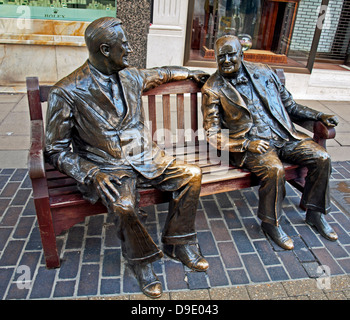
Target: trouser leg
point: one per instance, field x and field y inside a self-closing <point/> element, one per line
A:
<point x="269" y="169"/>
<point x="184" y="183"/>
<point x="137" y="244"/>
<point x="318" y="162"/>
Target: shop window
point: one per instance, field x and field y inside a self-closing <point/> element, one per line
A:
<point x="71" y="10"/>
<point x="265" y="27"/>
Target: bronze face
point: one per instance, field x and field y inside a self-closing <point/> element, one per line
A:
<point x="228" y="55"/>
<point x="118" y="50"/>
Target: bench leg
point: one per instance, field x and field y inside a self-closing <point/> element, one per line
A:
<point x="47" y="233"/>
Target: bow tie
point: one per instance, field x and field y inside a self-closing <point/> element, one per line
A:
<point x="239" y="80"/>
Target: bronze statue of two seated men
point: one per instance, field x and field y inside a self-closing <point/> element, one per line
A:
<point x="95" y="123"/>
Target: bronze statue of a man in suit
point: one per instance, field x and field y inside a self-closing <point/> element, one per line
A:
<point x="250" y="102"/>
<point x="97" y="110"/>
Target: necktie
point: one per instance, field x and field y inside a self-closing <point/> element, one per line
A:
<point x="116" y="97"/>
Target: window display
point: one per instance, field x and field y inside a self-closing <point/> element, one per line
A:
<point x="75" y="10"/>
<point x="266" y="26"/>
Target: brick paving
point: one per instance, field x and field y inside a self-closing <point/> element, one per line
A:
<point x="243" y="263"/>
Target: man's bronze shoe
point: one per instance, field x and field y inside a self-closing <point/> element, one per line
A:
<point x="316" y="219"/>
<point x="147" y="279"/>
<point x="188" y="254"/>
<point x="278" y="236"/>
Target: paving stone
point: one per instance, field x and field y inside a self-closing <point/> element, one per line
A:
<point x="70" y="265"/>
<point x="23" y="228"/>
<point x="301" y="287"/>
<point x="224" y="200"/>
<point x="277" y="273"/>
<point x="345" y="264"/>
<point x="110" y="286"/>
<point x="64" y="289"/>
<point x="201" y="221"/>
<point x="75" y="237"/>
<point x="17" y="292"/>
<point x="238" y="276"/>
<point x="175" y="275"/>
<point x="95" y="225"/>
<point x="216" y="272"/>
<point x="256" y="271"/>
<point x="92" y="250"/>
<point x="207" y="243"/>
<point x="339" y="283"/>
<point x="43" y="283"/>
<point x="303" y="253"/>
<point x="267" y="255"/>
<point x="21" y="197"/>
<point x="309" y="236"/>
<point x="291" y="263"/>
<point x="243" y="208"/>
<point x="229" y="255"/>
<point x="4" y="236"/>
<point x="232" y="293"/>
<point x="264" y="292"/>
<point x="5" y="277"/>
<point x="111" y="238"/>
<point x="232" y="219"/>
<point x="219" y="230"/>
<point x="211" y="208"/>
<point x="190" y="295"/>
<point x="88" y="281"/>
<point x="3" y="205"/>
<point x="11" y="216"/>
<point x="111" y="265"/>
<point x="242" y="241"/>
<point x="10" y="189"/>
<point x="19" y="174"/>
<point x="336" y="296"/>
<point x="326" y="259"/>
<point x="11" y="253"/>
<point x="197" y="280"/>
<point x="253" y="228"/>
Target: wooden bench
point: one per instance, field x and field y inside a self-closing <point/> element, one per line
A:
<point x="58" y="203"/>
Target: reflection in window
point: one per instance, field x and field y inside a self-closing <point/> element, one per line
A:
<point x="268" y="22"/>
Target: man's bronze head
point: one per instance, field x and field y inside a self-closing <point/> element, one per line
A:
<point x="229" y="55"/>
<point x="107" y="44"/>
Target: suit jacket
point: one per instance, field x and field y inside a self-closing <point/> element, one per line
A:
<point x="227" y="119"/>
<point x="81" y="115"/>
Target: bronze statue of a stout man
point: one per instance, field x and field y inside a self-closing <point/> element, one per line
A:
<point x="97" y="110"/>
<point x="250" y="102"/>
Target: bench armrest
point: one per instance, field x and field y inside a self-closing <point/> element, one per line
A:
<point x="320" y="130"/>
<point x="36" y="152"/>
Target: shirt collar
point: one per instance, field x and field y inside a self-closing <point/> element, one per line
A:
<point x="101" y="77"/>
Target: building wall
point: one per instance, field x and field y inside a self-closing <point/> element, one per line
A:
<point x="167" y="34"/>
<point x="307" y="20"/>
<point x="136" y="17"/>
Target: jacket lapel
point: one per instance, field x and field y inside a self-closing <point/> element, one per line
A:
<point x="231" y="93"/>
<point x="268" y="92"/>
<point x="92" y="94"/>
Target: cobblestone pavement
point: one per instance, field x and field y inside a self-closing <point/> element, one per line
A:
<point x="244" y="265"/>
